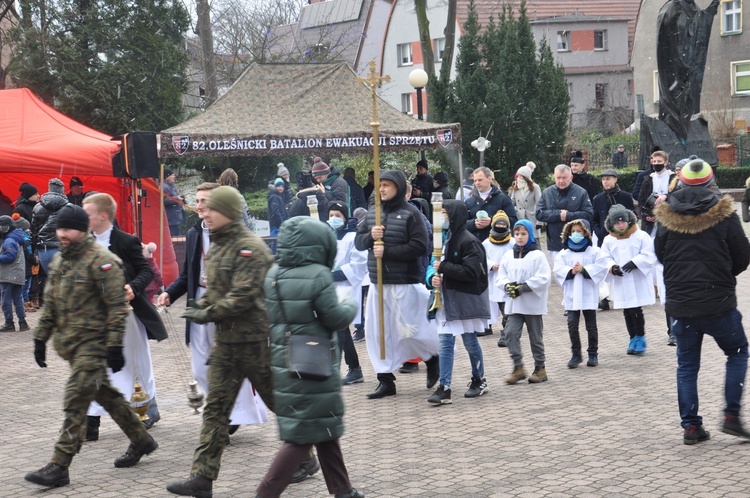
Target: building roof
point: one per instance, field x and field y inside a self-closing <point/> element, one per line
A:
<point x="577" y="19"/>
<point x="544" y="9"/>
<point x="330" y="12"/>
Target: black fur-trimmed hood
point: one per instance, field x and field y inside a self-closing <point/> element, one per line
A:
<point x="707" y="211"/>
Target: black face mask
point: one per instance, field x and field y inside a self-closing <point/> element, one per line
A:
<point x="658" y="167"/>
<point x="500" y="232"/>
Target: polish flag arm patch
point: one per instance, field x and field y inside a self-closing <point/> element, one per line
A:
<point x="246" y="253"/>
<point x="106" y="267"/>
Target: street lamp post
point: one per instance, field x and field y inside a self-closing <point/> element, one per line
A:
<point x="418" y="79"/>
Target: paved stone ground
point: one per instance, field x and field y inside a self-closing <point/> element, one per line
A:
<point x="612" y="430"/>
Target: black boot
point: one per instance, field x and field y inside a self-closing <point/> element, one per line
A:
<point x="51" y="475"/>
<point x="306" y="469"/>
<point x="135" y="452"/>
<point x="23" y="326"/>
<point x="352" y="493"/>
<point x="8" y="327"/>
<point x="92" y="428"/>
<point x="195" y="485"/>
<point x="384" y="389"/>
<point x="433" y="371"/>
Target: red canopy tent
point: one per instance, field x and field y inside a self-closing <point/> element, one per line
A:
<point x="38" y="143"/>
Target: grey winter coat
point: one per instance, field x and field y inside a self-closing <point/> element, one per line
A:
<point x="12" y="260"/>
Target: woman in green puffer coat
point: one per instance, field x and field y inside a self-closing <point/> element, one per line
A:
<point x="309" y="412"/>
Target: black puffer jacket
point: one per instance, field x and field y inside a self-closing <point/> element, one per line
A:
<point x="405" y="237"/>
<point x="25" y="208"/>
<point x="464" y="266"/>
<point x="703" y="248"/>
<point x="44" y="220"/>
<point x="494" y="202"/>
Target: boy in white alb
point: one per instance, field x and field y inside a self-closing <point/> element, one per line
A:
<point x="496" y="245"/>
<point x="524" y="275"/>
<point x="579" y="269"/>
<point x="630" y="257"/>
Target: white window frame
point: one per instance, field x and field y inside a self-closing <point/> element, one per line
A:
<point x="656" y="86"/>
<point x="406" y="104"/>
<point x="735" y="74"/>
<point x="605" y="45"/>
<point x="438" y="48"/>
<point x="405" y="55"/>
<point x="563" y="41"/>
<point x="731" y="9"/>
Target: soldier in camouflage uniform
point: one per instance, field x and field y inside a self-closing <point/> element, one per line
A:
<point x="236" y="265"/>
<point x="85" y="313"/>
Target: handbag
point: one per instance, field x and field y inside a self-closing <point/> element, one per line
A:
<point x="309" y="357"/>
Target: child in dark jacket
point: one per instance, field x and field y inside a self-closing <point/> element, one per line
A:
<point x="461" y="277"/>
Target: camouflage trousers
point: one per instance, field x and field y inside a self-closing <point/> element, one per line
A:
<point x="229" y="365"/>
<point x="89" y="382"/>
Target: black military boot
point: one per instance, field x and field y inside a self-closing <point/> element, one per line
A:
<point x="23" y="326"/>
<point x="195" y="485"/>
<point x="92" y="428"/>
<point x="51" y="475"/>
<point x="135" y="452"/>
<point x="8" y="327"/>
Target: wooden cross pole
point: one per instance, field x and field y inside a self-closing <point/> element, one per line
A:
<point x="373" y="81"/>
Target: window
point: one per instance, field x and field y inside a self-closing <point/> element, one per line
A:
<point x="404" y="54"/>
<point x="570" y="90"/>
<point x="741" y="78"/>
<point x="600" y="39"/>
<point x="406" y="103"/>
<point x="731" y="17"/>
<point x="563" y="41"/>
<point x="439" y="48"/>
<point x="601" y="95"/>
<point x="656" y="86"/>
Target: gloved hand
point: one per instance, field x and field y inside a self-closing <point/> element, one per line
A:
<point x="628" y="267"/>
<point x="115" y="359"/>
<point x="521" y="288"/>
<point x="40" y="353"/>
<point x="511" y="289"/>
<point x="196" y="315"/>
<point x="616" y="271"/>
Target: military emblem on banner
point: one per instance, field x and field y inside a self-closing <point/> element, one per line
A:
<point x="445" y="136"/>
<point x="181" y="143"/>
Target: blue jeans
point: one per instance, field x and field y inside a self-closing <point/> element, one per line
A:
<point x="447" y="345"/>
<point x="45" y="257"/>
<point x="12" y="296"/>
<point x="729" y="335"/>
<point x="26" y="288"/>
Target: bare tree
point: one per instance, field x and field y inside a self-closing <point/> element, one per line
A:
<point x="206" y="36"/>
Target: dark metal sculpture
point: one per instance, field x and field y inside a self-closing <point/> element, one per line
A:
<point x="683" y="33"/>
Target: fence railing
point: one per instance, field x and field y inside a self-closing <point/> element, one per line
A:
<point x="732" y="151"/>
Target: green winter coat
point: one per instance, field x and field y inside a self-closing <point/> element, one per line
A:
<point x="308" y="411"/>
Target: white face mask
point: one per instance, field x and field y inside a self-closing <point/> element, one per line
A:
<point x="521" y="183"/>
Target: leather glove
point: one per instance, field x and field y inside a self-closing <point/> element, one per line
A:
<point x="115" y="359"/>
<point x="628" y="267"/>
<point x="196" y="315"/>
<point x="40" y="353"/>
<point x="616" y="271"/>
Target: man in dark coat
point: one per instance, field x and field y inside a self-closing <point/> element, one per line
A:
<point x="488" y="199"/>
<point x="560" y="203"/>
<point x="422" y="184"/>
<point x="584" y="179"/>
<point x="701" y="243"/>
<point x="357" y="197"/>
<point x="144" y="324"/>
<point x="620" y="157"/>
<point x="26" y="201"/>
<point x="76" y="194"/>
<point x="602" y="202"/>
<point x="441" y="185"/>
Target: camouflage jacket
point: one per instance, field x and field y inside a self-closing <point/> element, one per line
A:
<point x="236" y="265"/>
<point x="84" y="301"/>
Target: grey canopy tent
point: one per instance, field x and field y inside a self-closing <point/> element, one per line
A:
<point x="305" y="109"/>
